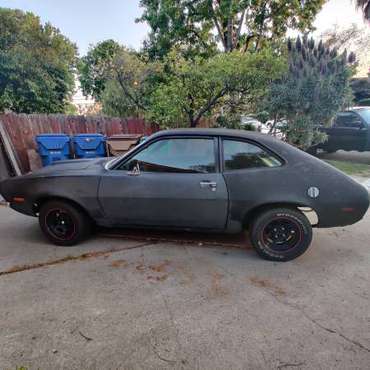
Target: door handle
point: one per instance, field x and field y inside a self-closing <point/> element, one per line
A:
<point x="209" y="184"/>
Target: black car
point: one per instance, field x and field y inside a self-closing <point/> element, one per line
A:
<point x="194" y="179"/>
<point x="350" y="131"/>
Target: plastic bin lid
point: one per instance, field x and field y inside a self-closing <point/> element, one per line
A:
<point x="88" y="141"/>
<point x="53" y="141"/>
<point x="52" y="134"/>
<point x="89" y="135"/>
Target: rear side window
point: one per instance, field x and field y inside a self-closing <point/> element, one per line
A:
<point x="241" y="155"/>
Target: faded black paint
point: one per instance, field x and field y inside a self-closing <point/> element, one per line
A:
<point x="112" y="197"/>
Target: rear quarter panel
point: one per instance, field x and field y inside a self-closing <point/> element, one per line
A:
<point x="289" y="184"/>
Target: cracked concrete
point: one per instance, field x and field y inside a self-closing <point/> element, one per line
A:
<point x="135" y="304"/>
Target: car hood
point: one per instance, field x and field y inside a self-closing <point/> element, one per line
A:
<point x="70" y="165"/>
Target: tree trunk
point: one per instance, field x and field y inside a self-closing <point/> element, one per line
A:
<point x="194" y="122"/>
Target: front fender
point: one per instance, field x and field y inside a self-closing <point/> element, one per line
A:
<point x="79" y="189"/>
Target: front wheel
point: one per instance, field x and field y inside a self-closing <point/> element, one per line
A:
<point x="63" y="223"/>
<point x="281" y="234"/>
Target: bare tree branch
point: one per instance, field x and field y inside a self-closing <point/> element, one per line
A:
<point x="127" y="92"/>
<point x="218" y="27"/>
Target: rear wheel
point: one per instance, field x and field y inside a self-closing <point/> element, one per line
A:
<point x="281" y="234"/>
<point x="64" y="224"/>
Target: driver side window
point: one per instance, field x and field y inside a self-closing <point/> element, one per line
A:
<point x="189" y="155"/>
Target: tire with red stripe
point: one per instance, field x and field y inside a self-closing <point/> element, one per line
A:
<point x="63" y="223"/>
<point x="281" y="234"/>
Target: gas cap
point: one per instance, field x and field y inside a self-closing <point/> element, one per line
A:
<point x="313" y="192"/>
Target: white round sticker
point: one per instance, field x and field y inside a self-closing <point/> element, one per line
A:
<point x="313" y="192"/>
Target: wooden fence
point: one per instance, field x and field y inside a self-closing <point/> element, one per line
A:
<point x="22" y="129"/>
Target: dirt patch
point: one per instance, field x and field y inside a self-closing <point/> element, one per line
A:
<point x="157" y="278"/>
<point x="264" y="283"/>
<point x="140" y="267"/>
<point x="217" y="290"/>
<point x="82" y="257"/>
<point x="119" y="263"/>
<point x="156" y="272"/>
<point x="161" y="267"/>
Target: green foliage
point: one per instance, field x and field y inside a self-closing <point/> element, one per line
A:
<point x="132" y="81"/>
<point x="198" y="27"/>
<point x="95" y="68"/>
<point x="199" y="88"/>
<point x="351" y="168"/>
<point x="315" y="88"/>
<point x="180" y="92"/>
<point x="36" y="65"/>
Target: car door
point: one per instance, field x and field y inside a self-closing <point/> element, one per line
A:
<point x="348" y="132"/>
<point x="172" y="182"/>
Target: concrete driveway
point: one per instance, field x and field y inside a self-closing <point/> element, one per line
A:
<point x="119" y="303"/>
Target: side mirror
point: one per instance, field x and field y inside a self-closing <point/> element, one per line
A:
<point x="135" y="171"/>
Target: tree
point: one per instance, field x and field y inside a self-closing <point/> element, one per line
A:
<point x="315" y="88"/>
<point x="131" y="83"/>
<point x="200" y="26"/>
<point x="36" y="65"/>
<point x="364" y="5"/>
<point x="199" y="88"/>
<point x="181" y="92"/>
<point x="353" y="37"/>
<point x="95" y="68"/>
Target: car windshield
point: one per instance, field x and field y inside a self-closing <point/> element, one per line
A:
<point x="110" y="164"/>
<point x="365" y="114"/>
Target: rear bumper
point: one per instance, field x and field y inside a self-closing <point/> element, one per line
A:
<point x="344" y="213"/>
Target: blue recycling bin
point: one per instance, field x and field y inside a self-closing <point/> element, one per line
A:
<point x="53" y="147"/>
<point x="89" y="145"/>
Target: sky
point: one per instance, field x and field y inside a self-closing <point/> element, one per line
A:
<point x="87" y="22"/>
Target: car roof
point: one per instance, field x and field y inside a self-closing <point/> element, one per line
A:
<point x="354" y="109"/>
<point x="213" y="132"/>
<point x="365" y="107"/>
<point x="264" y="139"/>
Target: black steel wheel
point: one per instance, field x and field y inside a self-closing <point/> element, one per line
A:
<point x="281" y="234"/>
<point x="63" y="223"/>
<point x="60" y="224"/>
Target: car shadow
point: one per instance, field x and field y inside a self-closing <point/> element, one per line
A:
<point x="240" y="240"/>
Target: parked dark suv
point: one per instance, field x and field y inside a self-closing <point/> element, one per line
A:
<point x="350" y="131"/>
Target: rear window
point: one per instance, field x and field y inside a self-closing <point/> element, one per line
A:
<point x="242" y="155"/>
<point x="365" y="114"/>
